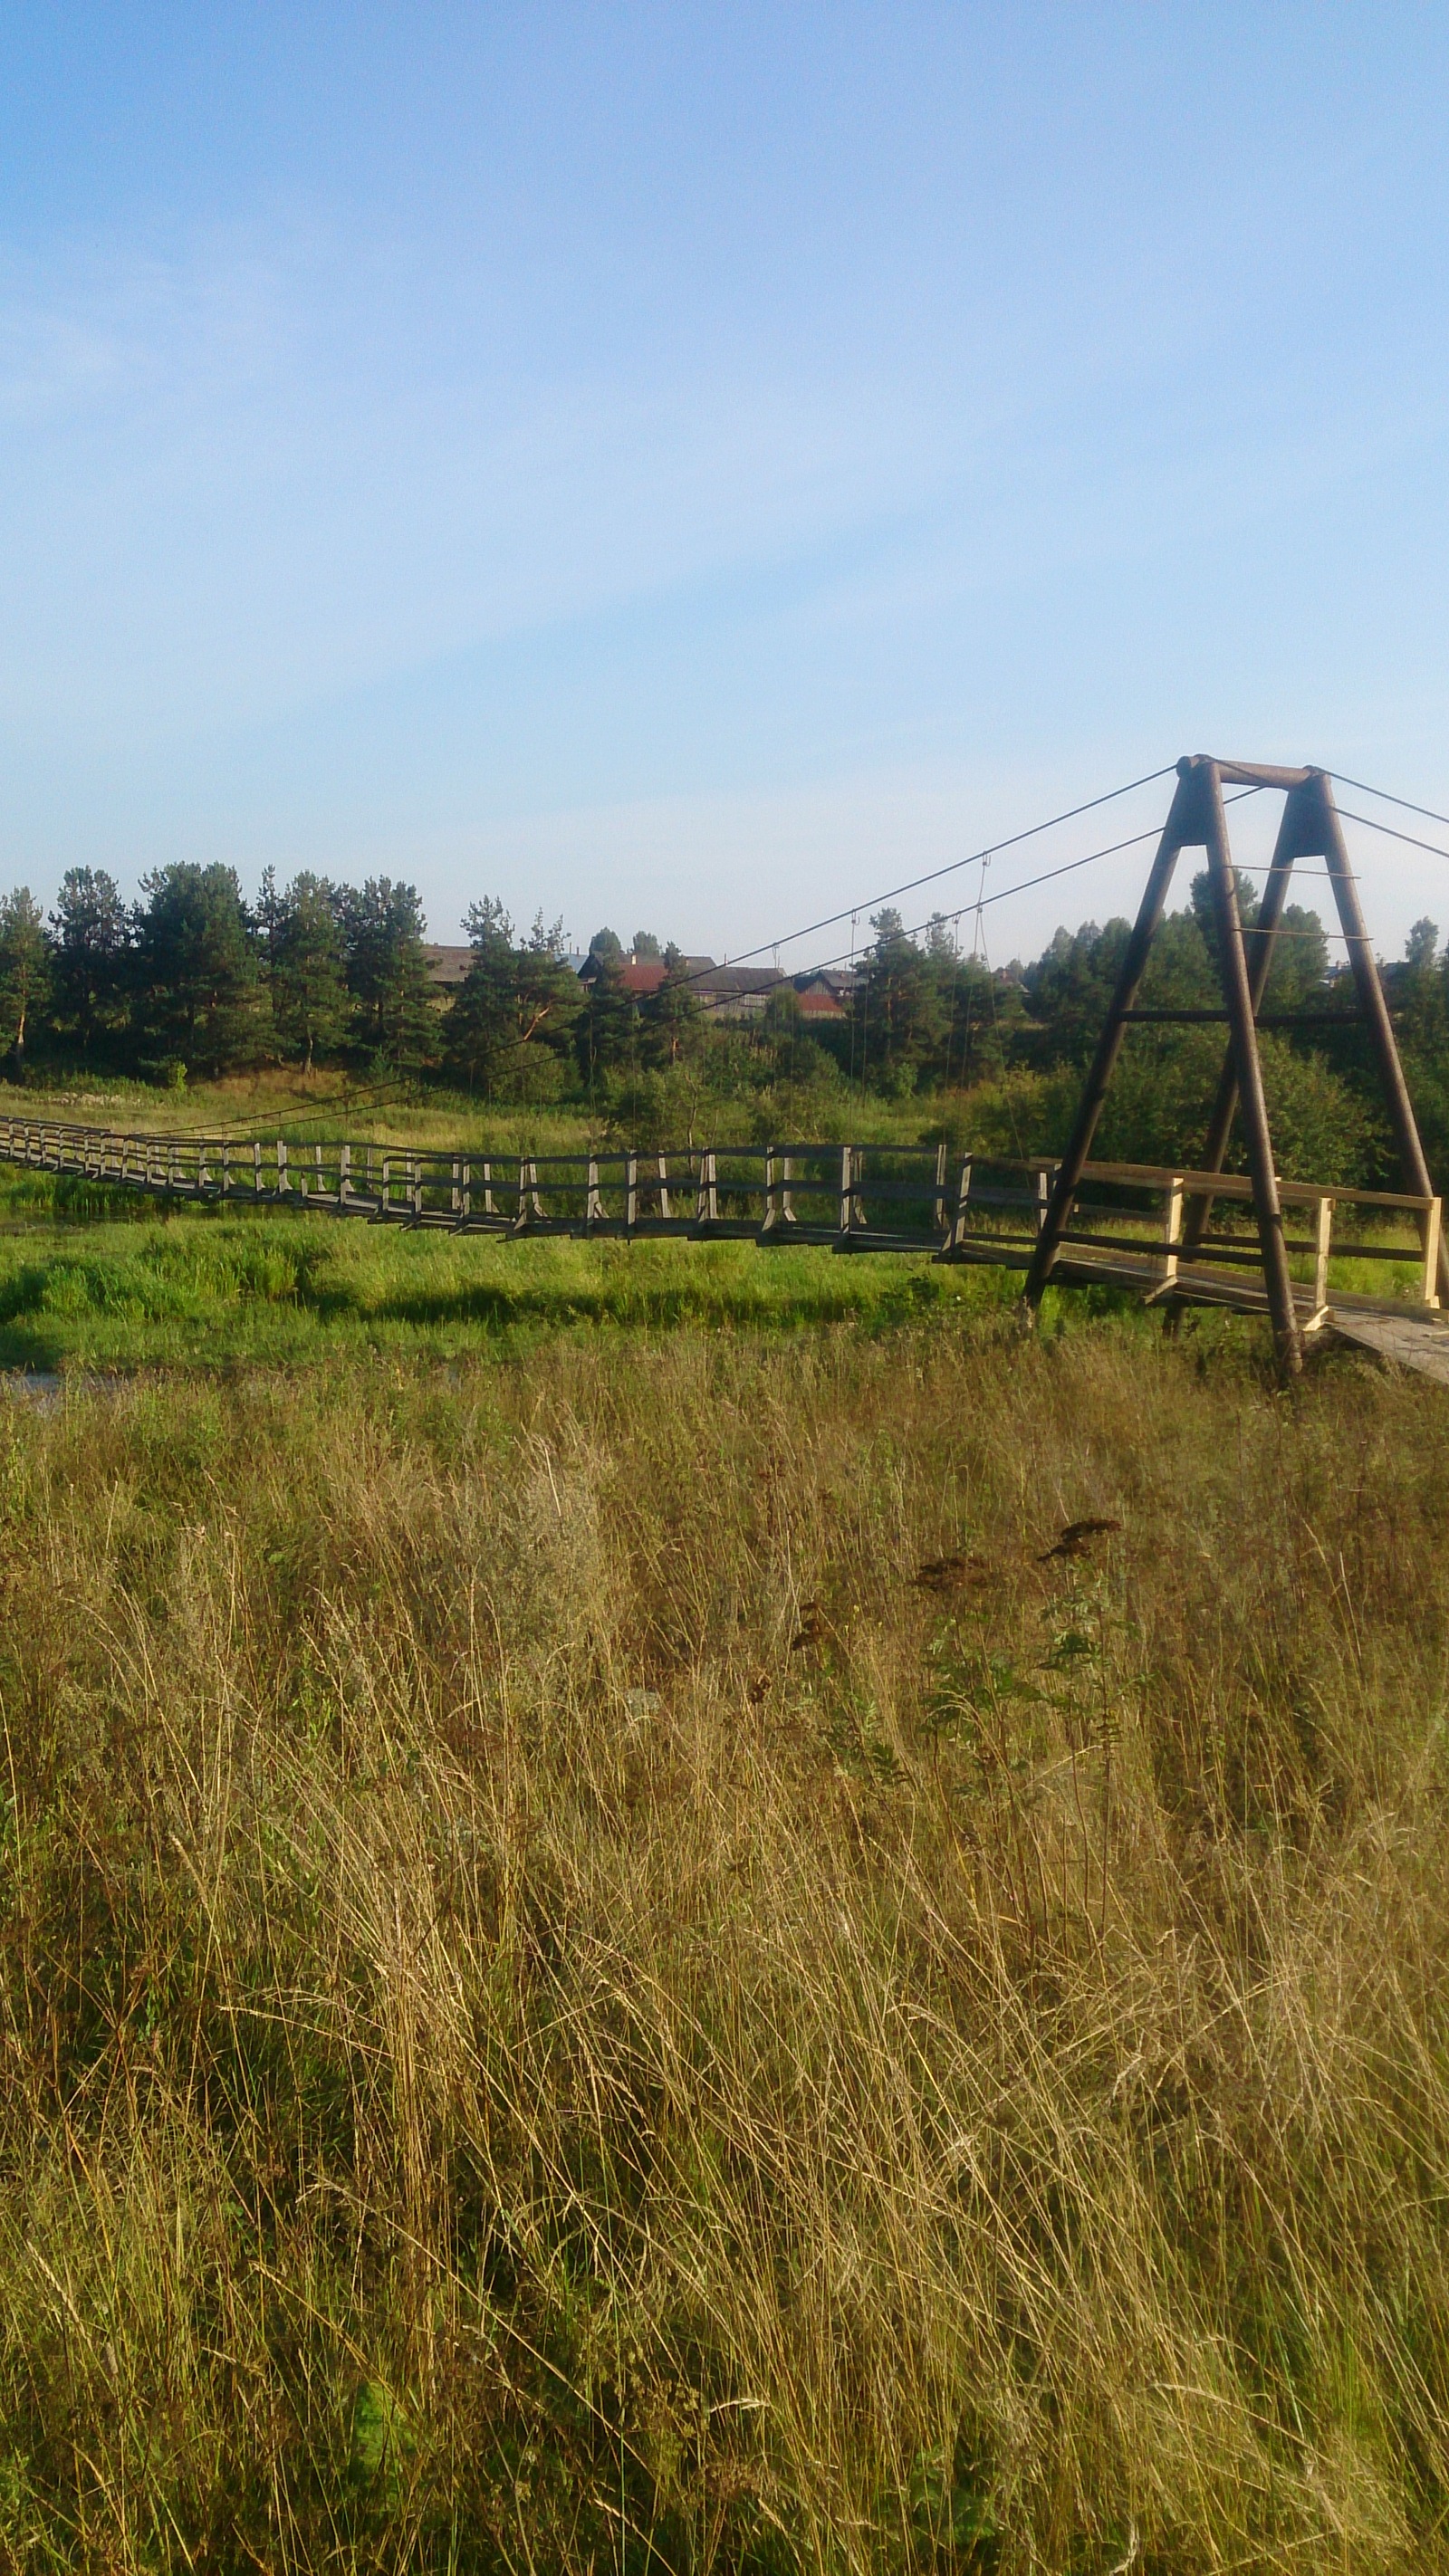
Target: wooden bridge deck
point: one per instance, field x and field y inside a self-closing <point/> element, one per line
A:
<point x="971" y="1208"/>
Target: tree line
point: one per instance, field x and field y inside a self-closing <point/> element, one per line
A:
<point x="193" y="981"/>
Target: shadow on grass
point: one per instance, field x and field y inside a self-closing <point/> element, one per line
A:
<point x="499" y="1306"/>
<point x="30" y="1346"/>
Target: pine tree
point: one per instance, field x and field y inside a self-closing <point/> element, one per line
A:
<point x="309" y="985"/>
<point x="91" y="956"/>
<point x="196" y="969"/>
<point x="607" y="1027"/>
<point x="514" y="1015"/>
<point x="671" y="1016"/>
<point x="898" y="1004"/>
<point x="483" y="1022"/>
<point x="387" y="973"/>
<point x="25" y="979"/>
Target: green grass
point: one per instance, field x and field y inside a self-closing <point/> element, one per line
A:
<point x="102" y="1280"/>
<point x="138" y="1287"/>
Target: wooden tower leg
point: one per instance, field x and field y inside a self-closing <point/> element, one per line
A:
<point x="1374" y="1008"/>
<point x="1183" y="825"/>
<point x="1295" y="838"/>
<point x="1237" y="993"/>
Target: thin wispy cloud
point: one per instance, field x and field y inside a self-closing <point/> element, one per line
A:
<point x="407" y="446"/>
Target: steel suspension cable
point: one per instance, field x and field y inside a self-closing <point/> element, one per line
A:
<point x="1362" y="788"/>
<point x="932" y="876"/>
<point x="1024" y="885"/>
<point x="1411" y="838"/>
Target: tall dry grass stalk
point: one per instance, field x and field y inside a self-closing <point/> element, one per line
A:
<point x="562" y="2010"/>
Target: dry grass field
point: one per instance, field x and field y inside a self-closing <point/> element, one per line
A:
<point x="618" y="1958"/>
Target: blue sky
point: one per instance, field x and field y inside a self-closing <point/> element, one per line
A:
<point x="692" y="467"/>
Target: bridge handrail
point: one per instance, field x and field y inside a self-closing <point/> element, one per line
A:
<point x="982" y="1206"/>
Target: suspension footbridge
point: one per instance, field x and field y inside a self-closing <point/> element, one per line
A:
<point x="1303" y="1253"/>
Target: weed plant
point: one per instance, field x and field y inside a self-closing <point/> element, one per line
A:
<point x="622" y="1960"/>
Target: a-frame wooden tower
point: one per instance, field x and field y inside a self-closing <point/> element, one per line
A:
<point x="1310" y="828"/>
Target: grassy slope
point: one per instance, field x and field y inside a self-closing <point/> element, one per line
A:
<point x="561" y="2012"/>
<point x="329" y="1104"/>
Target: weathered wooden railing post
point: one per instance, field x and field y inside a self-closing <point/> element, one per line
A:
<point x="529" y="1202"/>
<point x="593" y="1198"/>
<point x="283" y="1183"/>
<point x="963" y="1200"/>
<point x="663" y="1185"/>
<point x="941" y="1187"/>
<point x="344" y="1175"/>
<point x="631" y="1192"/>
<point x="706" y="1203"/>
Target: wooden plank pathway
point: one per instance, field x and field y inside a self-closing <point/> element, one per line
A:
<point x="1419" y="1342"/>
<point x="1172" y="1238"/>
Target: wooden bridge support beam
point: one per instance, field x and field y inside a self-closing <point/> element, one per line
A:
<point x="1370" y="991"/>
<point x="1182" y="825"/>
<point x="1196" y="818"/>
<point x="1296" y="839"/>
<point x="1237" y="993"/>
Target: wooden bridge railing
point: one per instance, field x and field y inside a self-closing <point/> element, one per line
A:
<point x="1181" y="1234"/>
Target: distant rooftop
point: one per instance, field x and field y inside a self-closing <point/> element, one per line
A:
<point x="731" y="992"/>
